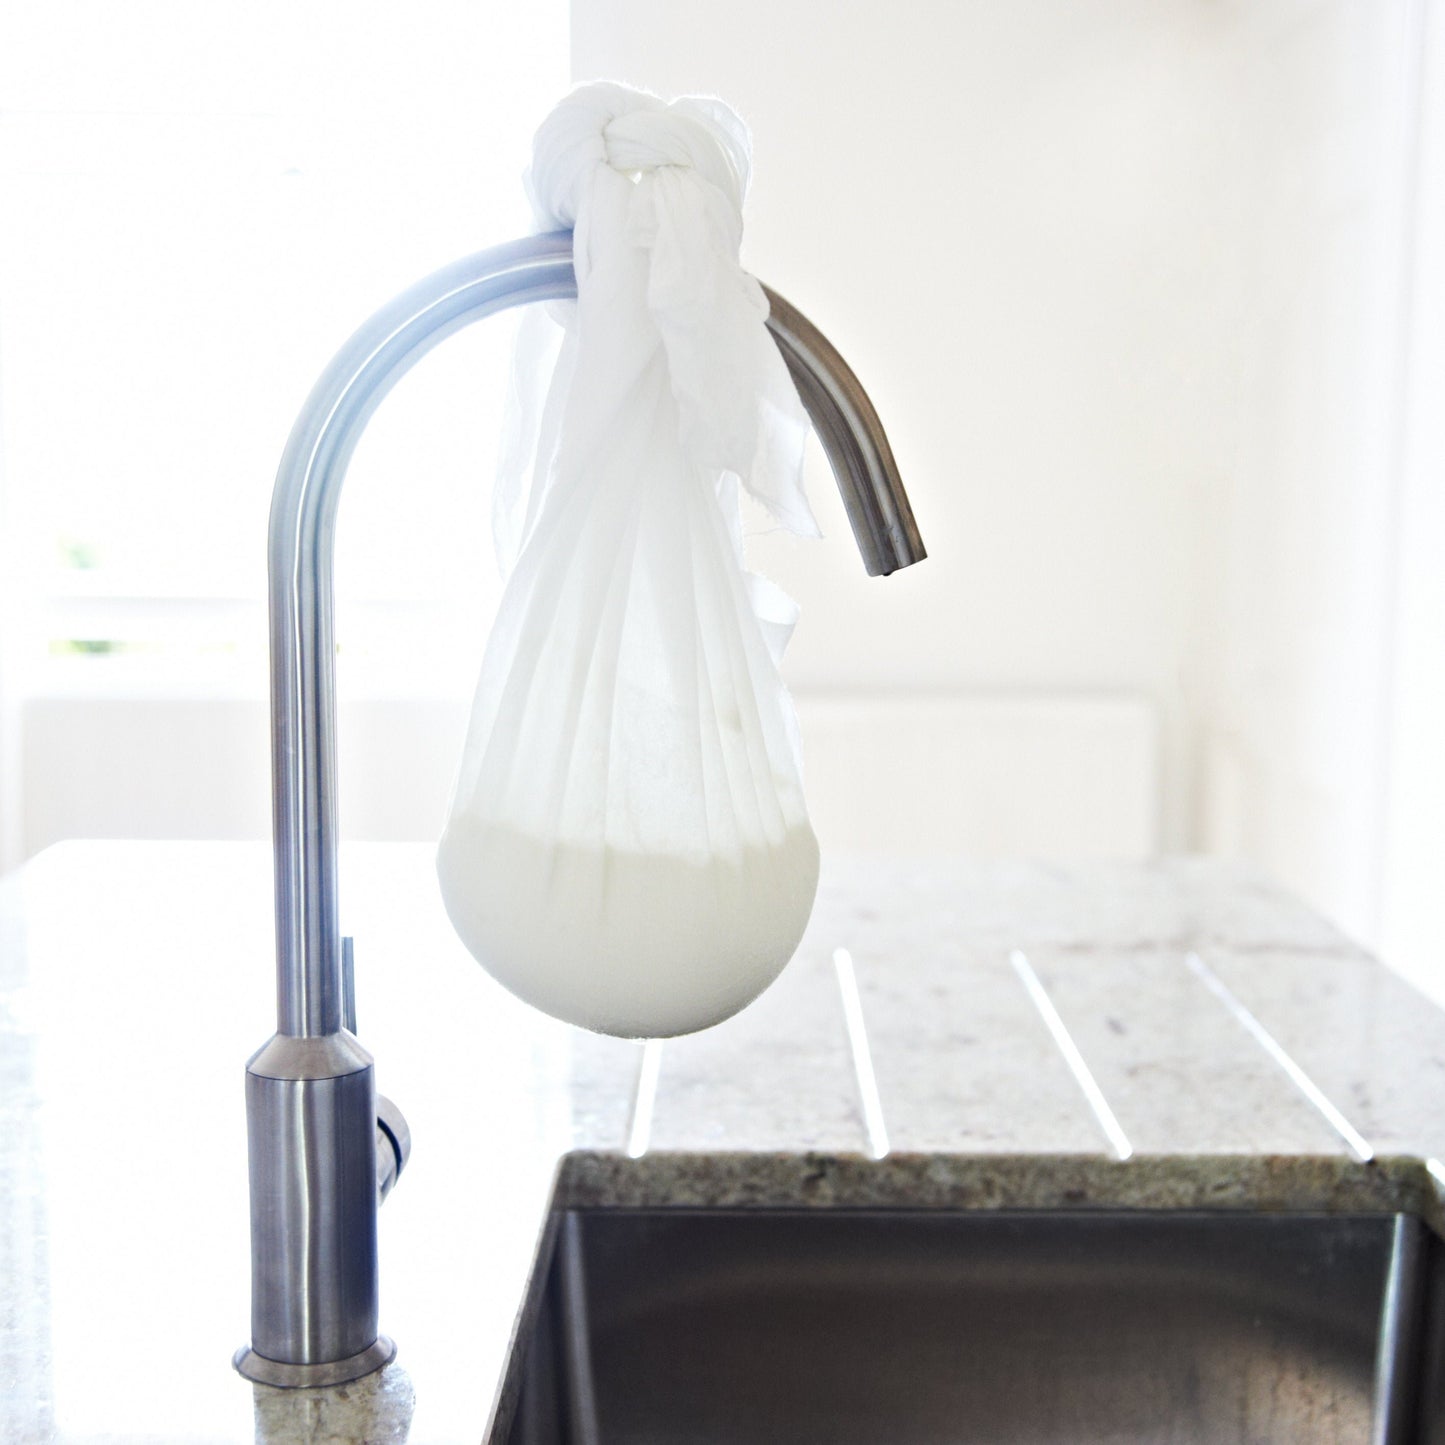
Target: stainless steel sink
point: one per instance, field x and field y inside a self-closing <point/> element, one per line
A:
<point x="724" y="1327"/>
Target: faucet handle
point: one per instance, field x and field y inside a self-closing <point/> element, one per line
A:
<point x="348" y="985"/>
<point x="393" y="1137"/>
<point x="393" y="1145"/>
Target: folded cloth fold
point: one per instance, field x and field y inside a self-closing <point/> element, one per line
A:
<point x="666" y="181"/>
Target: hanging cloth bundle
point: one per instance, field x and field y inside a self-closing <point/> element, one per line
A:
<point x="628" y="847"/>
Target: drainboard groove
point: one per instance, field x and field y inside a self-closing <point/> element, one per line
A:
<point x="864" y="1075"/>
<point x="1358" y="1144"/>
<point x="644" y="1100"/>
<point x="1108" y="1121"/>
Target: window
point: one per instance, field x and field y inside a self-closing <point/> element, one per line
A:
<point x="203" y="203"/>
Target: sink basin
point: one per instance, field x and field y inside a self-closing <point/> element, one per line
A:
<point x="746" y="1327"/>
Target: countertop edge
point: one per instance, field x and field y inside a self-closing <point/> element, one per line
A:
<point x="1308" y="1183"/>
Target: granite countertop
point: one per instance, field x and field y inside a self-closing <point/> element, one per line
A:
<point x="1176" y="1035"/>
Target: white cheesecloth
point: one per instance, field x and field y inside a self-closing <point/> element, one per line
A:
<point x="628" y="846"/>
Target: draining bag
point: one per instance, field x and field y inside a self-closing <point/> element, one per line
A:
<point x="628" y="847"/>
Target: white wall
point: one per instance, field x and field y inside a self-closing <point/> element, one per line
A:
<point x="1413" y="922"/>
<point x="1020" y="224"/>
<point x="1303" y="700"/>
<point x="1119" y="276"/>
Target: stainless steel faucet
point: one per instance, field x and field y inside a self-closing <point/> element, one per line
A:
<point x="324" y="1149"/>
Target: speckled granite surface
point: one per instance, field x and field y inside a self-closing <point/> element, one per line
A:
<point x="136" y="978"/>
<point x="1275" y="1183"/>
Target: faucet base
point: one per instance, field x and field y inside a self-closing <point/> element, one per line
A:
<point x="311" y="1131"/>
<point x="331" y="1372"/>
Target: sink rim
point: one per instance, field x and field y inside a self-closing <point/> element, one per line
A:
<point x="1018" y="1185"/>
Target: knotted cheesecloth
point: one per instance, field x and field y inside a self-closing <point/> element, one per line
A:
<point x="628" y="846"/>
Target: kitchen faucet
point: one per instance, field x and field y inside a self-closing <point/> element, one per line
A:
<point x="324" y="1148"/>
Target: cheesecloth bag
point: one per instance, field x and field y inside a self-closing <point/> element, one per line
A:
<point x="628" y="847"/>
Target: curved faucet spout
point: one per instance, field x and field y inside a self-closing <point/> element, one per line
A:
<point x="303" y="515"/>
<point x="853" y="438"/>
<point x="311" y="1101"/>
